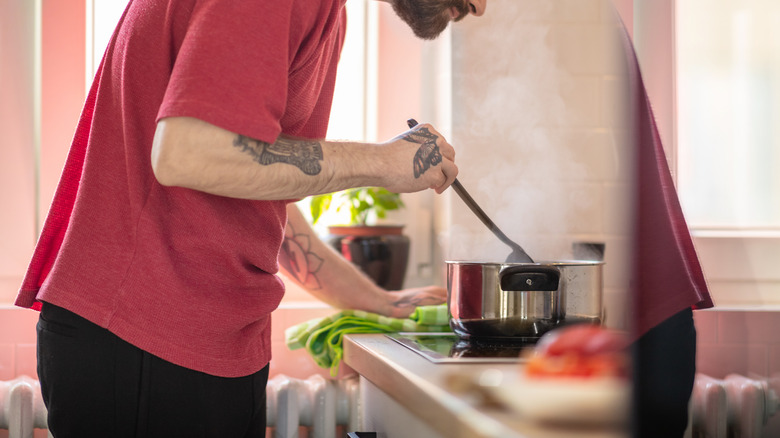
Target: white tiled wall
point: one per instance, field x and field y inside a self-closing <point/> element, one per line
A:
<point x="538" y="119"/>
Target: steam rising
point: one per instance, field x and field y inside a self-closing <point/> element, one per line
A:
<point x="533" y="127"/>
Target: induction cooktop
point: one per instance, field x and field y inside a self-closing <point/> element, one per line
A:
<point x="449" y="348"/>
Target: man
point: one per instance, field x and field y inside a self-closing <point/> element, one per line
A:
<point x="156" y="270"/>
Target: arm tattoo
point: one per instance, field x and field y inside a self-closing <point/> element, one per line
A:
<point x="298" y="260"/>
<point x="428" y="154"/>
<point x="416" y="301"/>
<point x="305" y="155"/>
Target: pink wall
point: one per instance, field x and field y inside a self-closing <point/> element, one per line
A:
<point x="17" y="343"/>
<point x="63" y="88"/>
<point x="398" y="74"/>
<point x="17" y="127"/>
<point x="62" y="95"/>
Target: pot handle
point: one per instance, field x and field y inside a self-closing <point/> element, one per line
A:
<point x="529" y="278"/>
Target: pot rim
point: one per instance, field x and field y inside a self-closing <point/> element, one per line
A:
<point x="538" y="263"/>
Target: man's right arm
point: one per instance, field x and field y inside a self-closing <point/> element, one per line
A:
<point x="191" y="153"/>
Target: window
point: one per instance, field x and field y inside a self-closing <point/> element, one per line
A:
<point x="102" y="18"/>
<point x="711" y="70"/>
<point x="723" y="65"/>
<point x="728" y="88"/>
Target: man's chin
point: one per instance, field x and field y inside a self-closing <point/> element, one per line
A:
<point x="428" y="31"/>
<point x="425" y="26"/>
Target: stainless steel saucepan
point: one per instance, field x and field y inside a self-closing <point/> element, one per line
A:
<point x="522" y="301"/>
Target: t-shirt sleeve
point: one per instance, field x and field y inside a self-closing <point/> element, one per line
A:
<point x="231" y="68"/>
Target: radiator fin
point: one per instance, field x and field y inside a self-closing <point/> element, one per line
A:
<point x="318" y="404"/>
<point x="733" y="407"/>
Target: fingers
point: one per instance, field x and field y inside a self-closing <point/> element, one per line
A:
<point x="435" y="155"/>
<point x="449" y="178"/>
<point x="403" y="302"/>
<point x="446" y="149"/>
<point x="437" y="293"/>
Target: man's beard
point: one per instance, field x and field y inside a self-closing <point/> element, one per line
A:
<point x="429" y="18"/>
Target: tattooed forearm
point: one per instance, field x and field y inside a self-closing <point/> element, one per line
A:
<point x="416" y="301"/>
<point x="305" y="155"/>
<point x="298" y="260"/>
<point x="428" y="154"/>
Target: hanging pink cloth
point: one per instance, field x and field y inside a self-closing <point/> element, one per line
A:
<point x="667" y="275"/>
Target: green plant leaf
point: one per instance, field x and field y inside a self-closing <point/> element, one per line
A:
<point x="319" y="205"/>
<point x="361" y="202"/>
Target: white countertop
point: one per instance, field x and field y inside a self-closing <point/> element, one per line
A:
<point x="426" y="387"/>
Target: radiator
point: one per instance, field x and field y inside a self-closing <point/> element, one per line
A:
<point x="21" y="407"/>
<point x="734" y="407"/>
<point x="316" y="405"/>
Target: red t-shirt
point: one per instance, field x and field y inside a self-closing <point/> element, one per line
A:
<point x="185" y="275"/>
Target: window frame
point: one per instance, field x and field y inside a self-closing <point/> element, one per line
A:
<point x="739" y="264"/>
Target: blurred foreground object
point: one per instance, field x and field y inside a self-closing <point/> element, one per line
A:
<point x="581" y="350"/>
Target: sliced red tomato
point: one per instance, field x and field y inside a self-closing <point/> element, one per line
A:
<point x="582" y="339"/>
<point x="580" y="351"/>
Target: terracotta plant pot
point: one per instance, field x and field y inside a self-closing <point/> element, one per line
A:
<point x="382" y="252"/>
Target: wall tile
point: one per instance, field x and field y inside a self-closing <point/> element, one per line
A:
<point x="744" y="293"/>
<point x="581" y="49"/>
<point x="9" y="285"/>
<point x="560" y="11"/>
<point x="582" y="96"/>
<point x="618" y="262"/>
<point x="623" y="155"/>
<point x="585" y="156"/>
<point x="584" y="204"/>
<point x="614" y="98"/>
<point x="17" y="325"/>
<point x="718" y="360"/>
<point x="616" y="304"/>
<point x="774" y="364"/>
<point x="618" y="212"/>
<point x="7" y="361"/>
<point x="706" y="326"/>
<point x="291" y="314"/>
<point x="295" y="293"/>
<point x="741" y="258"/>
<point x="26" y="360"/>
<point x="749" y="327"/>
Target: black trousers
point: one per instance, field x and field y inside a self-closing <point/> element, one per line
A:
<point x="664" y="371"/>
<point x="97" y="385"/>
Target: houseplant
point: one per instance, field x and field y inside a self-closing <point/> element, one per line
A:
<point x="381" y="251"/>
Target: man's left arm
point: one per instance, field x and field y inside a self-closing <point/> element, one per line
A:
<point x="305" y="259"/>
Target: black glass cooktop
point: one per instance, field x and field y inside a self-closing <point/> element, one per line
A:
<point x="449" y="348"/>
